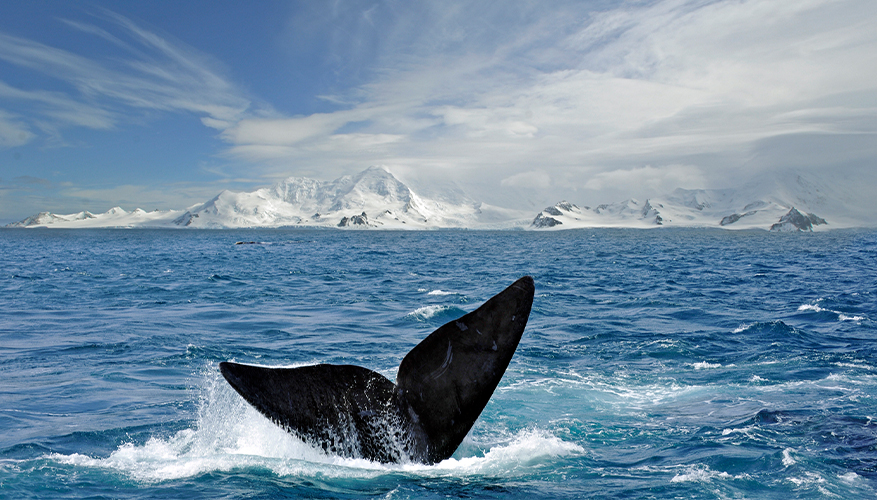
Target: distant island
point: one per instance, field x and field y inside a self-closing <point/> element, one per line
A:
<point x="375" y="199"/>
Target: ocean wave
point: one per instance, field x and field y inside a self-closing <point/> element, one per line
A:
<point x="809" y="479"/>
<point x="705" y="365"/>
<point x="840" y="315"/>
<point x="742" y="328"/>
<point x="776" y="328"/>
<point x="857" y="365"/>
<point x="527" y="448"/>
<point x="748" y="431"/>
<point x="849" y="477"/>
<point x="701" y="473"/>
<point x="427" y="312"/>
<point x="435" y="311"/>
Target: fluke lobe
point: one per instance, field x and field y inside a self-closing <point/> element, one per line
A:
<point x="442" y="386"/>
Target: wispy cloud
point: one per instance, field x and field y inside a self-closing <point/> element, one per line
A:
<point x="40" y="194"/>
<point x="13" y="132"/>
<point x="151" y="73"/>
<point x="59" y="108"/>
<point x="147" y="197"/>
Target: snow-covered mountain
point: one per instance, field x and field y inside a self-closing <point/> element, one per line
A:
<point x="781" y="203"/>
<point x="114" y="217"/>
<point x="373" y="198"/>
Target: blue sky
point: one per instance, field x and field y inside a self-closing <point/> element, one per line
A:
<point x="163" y="104"/>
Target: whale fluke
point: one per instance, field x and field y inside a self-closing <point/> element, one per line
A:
<point x="441" y="388"/>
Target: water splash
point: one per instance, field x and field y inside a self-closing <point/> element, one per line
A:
<point x="229" y="434"/>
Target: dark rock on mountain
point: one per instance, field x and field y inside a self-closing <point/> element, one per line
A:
<point x="796" y="221"/>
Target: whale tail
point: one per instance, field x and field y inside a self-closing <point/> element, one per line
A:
<point x="441" y="388"/>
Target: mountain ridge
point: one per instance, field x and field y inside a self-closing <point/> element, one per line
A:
<point x="375" y="199"/>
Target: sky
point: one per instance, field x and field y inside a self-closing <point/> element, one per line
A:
<point x="163" y="104"/>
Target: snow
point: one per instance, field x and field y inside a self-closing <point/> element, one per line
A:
<point x="376" y="199"/>
<point x="785" y="202"/>
<point x="373" y="198"/>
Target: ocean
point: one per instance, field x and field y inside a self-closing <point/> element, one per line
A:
<point x="664" y="363"/>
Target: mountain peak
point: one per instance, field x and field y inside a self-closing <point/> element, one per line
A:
<point x="796" y="221"/>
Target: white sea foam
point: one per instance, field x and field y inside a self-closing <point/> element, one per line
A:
<point x="528" y="448"/>
<point x="857" y="365"/>
<point x="742" y="328"/>
<point x="441" y="292"/>
<point x="610" y="390"/>
<point x="809" y="478"/>
<point x="427" y="312"/>
<point x="810" y="307"/>
<point x="849" y="477"/>
<point x="787" y="457"/>
<point x="844" y="317"/>
<point x="840" y="316"/>
<point x="704" y="365"/>
<point x="229" y="434"/>
<point x="637" y="397"/>
<point x="699" y="473"/>
<point x="746" y="431"/>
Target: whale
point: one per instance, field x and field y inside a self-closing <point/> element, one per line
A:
<point x="442" y="386"/>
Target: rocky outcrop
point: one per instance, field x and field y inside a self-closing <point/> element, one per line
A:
<point x="796" y="221"/>
<point x="649" y="212"/>
<point x="730" y="219"/>
<point x="356" y="220"/>
<point x="543" y="220"/>
<point x="548" y="217"/>
<point x="185" y="219"/>
<point x="612" y="214"/>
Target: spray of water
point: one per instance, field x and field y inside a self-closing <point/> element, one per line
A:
<point x="228" y="435"/>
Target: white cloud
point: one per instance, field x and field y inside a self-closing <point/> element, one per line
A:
<point x="285" y="131"/>
<point x="626" y="95"/>
<point x="12" y="131"/>
<point x="155" y="75"/>
<point x="534" y="179"/>
<point x="519" y="96"/>
<point x="654" y="179"/>
<point x="484" y="121"/>
<point x="371" y="142"/>
<point x="131" y="196"/>
<point x="59" y="108"/>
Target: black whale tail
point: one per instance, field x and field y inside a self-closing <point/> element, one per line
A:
<point x="441" y="388"/>
<point x="343" y="409"/>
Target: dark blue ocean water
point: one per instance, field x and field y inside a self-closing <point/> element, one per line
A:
<point x="656" y="363"/>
